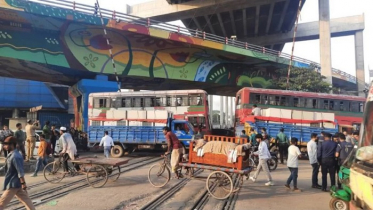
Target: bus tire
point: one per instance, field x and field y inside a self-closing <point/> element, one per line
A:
<point x="117" y="151"/>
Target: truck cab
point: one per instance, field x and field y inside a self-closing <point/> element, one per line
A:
<point x="183" y="130"/>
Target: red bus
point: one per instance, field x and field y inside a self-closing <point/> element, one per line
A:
<point x="348" y="110"/>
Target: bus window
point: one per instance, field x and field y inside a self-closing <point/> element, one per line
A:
<point x="314" y="103"/>
<point x="284" y="101"/>
<point x="126" y="102"/>
<point x="238" y="102"/>
<point x="264" y="99"/>
<point x="272" y="100"/>
<point x="138" y="102"/>
<point x="354" y="107"/>
<point x="158" y="102"/>
<point x="101" y="103"/>
<point x="277" y="100"/>
<point x="116" y="103"/>
<point x="255" y="98"/>
<point x="331" y="105"/>
<point x="168" y="101"/>
<point x="296" y="102"/>
<point x="341" y="106"/>
<point x="149" y="102"/>
<point x="202" y="122"/>
<point x="361" y="107"/>
<point x="325" y="104"/>
<point x="193" y="121"/>
<point x="195" y="100"/>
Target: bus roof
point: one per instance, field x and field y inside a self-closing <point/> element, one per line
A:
<point x="148" y="93"/>
<point x="303" y="94"/>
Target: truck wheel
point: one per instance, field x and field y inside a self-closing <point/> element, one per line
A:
<point x="338" y="204"/>
<point x="117" y="151"/>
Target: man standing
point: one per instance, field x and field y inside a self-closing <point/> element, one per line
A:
<point x="21" y="138"/>
<point x="3" y="135"/>
<point x="264" y="155"/>
<point x="14" y="181"/>
<point x="107" y="142"/>
<point x="31" y="138"/>
<point x="312" y="156"/>
<point x="174" y="147"/>
<point x="42" y="155"/>
<point x="47" y="131"/>
<point x="282" y="143"/>
<point x="68" y="148"/>
<point x="326" y="155"/>
<point x="253" y="137"/>
<point x="256" y="111"/>
<point x="343" y="150"/>
<point x="292" y="164"/>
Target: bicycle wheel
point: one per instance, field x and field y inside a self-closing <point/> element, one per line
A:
<point x="53" y="172"/>
<point x="97" y="176"/>
<point x="159" y="175"/>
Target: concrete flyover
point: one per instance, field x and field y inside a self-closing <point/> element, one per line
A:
<point x="242" y="18"/>
<point x="65" y="43"/>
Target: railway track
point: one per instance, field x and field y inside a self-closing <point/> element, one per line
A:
<point x="60" y="191"/>
<point x="159" y="200"/>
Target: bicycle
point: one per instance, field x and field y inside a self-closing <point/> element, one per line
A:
<point x="254" y="159"/>
<point x="162" y="172"/>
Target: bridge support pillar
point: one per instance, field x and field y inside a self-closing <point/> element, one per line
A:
<point x="325" y="42"/>
<point x="359" y="62"/>
<point x="80" y="92"/>
<point x="221" y="111"/>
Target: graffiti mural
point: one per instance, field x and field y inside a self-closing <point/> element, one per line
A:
<point x="73" y="44"/>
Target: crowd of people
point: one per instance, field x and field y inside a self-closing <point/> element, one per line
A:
<point x="13" y="146"/>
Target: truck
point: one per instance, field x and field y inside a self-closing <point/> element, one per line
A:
<point x="137" y="135"/>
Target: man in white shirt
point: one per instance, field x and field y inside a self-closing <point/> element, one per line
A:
<point x="264" y="155"/>
<point x="256" y="111"/>
<point x="69" y="150"/>
<point x="292" y="163"/>
<point x="107" y="142"/>
<point x="312" y="156"/>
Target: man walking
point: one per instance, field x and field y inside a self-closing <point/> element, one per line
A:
<point x="312" y="156"/>
<point x="21" y="138"/>
<point x="264" y="155"/>
<point x="14" y="181"/>
<point x="343" y="150"/>
<point x="292" y="164"/>
<point x="31" y="138"/>
<point x="282" y="143"/>
<point x="326" y="155"/>
<point x="54" y="137"/>
<point x="176" y="149"/>
<point x="107" y="142"/>
<point x="42" y="155"/>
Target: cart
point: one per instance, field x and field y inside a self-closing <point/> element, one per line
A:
<point x="225" y="178"/>
<point x="97" y="170"/>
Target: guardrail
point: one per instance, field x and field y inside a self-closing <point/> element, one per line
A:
<point x="109" y="14"/>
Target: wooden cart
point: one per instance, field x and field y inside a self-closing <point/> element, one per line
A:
<point x="220" y="183"/>
<point x="97" y="170"/>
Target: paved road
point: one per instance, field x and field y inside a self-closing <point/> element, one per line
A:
<point x="132" y="191"/>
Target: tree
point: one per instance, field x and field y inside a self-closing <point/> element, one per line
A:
<point x="301" y="79"/>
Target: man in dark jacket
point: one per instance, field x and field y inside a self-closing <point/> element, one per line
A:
<point x="326" y="156"/>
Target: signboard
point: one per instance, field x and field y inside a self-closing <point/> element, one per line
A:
<point x="35" y="109"/>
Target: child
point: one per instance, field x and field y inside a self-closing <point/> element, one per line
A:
<point x="42" y="155"/>
<point x="292" y="163"/>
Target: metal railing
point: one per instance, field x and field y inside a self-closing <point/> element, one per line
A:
<point x="109" y="14"/>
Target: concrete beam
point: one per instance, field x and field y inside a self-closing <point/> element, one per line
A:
<point x="232" y="22"/>
<point x="162" y="11"/>
<point x="344" y="26"/>
<point x="244" y="22"/>
<point x="257" y="13"/>
<point x="269" y="17"/>
<point x="359" y="62"/>
<point x="283" y="13"/>
<point x="209" y="24"/>
<point x="221" y="24"/>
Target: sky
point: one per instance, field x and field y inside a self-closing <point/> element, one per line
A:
<point x="342" y="48"/>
